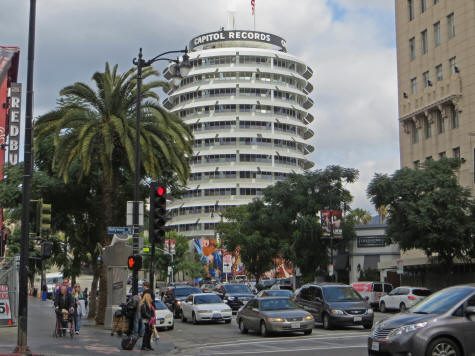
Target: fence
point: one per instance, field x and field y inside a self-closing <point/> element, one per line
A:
<point x="9" y="276"/>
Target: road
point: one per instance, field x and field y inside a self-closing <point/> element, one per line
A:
<point x="186" y="339"/>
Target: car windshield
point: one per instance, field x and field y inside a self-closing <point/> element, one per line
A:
<point x="159" y="305"/>
<point x="421" y="292"/>
<point x="277" y="304"/>
<point x="237" y="288"/>
<point x="207" y="299"/>
<point x="183" y="292"/>
<point x="277" y="293"/>
<point x="341" y="294"/>
<point x="442" y="301"/>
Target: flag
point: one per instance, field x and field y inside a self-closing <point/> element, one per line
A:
<point x="253" y="5"/>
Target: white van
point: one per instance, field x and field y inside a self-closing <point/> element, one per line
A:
<point x="373" y="291"/>
<point x="53" y="281"/>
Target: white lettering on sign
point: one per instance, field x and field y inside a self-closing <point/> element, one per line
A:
<point x="14" y="122"/>
<point x="5" y="310"/>
<point x="233" y="35"/>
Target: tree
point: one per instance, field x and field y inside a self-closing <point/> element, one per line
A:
<point x="428" y="209"/>
<point x="361" y="216"/>
<point x="96" y="128"/>
<point x="248" y="229"/>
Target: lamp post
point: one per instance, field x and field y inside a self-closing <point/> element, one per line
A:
<point x="181" y="69"/>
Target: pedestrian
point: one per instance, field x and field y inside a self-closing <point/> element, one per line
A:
<point x="44" y="292"/>
<point x="79" y="305"/>
<point x="67" y="284"/>
<point x="147" y="290"/>
<point x="137" y="325"/>
<point x="63" y="300"/>
<point x="148" y="314"/>
<point x="84" y="293"/>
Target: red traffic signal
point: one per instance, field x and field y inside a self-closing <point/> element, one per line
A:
<point x="131" y="262"/>
<point x="161" y="191"/>
<point x="134" y="262"/>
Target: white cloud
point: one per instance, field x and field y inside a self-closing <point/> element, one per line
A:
<point x="348" y="43"/>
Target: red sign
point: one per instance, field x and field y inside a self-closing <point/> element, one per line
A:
<point x="5" y="311"/>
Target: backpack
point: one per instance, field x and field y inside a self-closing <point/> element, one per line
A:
<point x="128" y="342"/>
<point x="130" y="308"/>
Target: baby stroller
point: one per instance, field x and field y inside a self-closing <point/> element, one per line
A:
<point x="64" y="323"/>
<point x="120" y="323"/>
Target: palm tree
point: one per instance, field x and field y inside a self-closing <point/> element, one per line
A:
<point x="383" y="213"/>
<point x="361" y="216"/>
<point x="96" y="127"/>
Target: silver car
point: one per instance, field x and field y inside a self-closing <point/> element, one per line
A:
<point x="443" y="324"/>
<point x="269" y="315"/>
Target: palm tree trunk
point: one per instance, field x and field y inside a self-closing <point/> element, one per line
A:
<point x="108" y="209"/>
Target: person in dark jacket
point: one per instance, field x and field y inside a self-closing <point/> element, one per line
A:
<point x="64" y="300"/>
<point x="147" y="290"/>
<point x="148" y="313"/>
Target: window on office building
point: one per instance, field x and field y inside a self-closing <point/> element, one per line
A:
<point x="429" y="158"/>
<point x="427" y="128"/>
<point x="412" y="48"/>
<point x="415" y="133"/>
<point x="410" y="6"/>
<point x="453" y="65"/>
<point x="439" y="73"/>
<point x="423" y="5"/>
<point x="456" y="152"/>
<point x="426" y="79"/>
<point x="424" y="41"/>
<point x="454" y="117"/>
<point x="417" y="164"/>
<point x="414" y="85"/>
<point x="437" y="38"/>
<point x="440" y="121"/>
<point x="436" y="2"/>
<point x="442" y="154"/>
<point x="451" y="25"/>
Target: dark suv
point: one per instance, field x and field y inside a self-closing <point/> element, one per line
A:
<point x="334" y="305"/>
<point x="174" y="296"/>
<point x="235" y="295"/>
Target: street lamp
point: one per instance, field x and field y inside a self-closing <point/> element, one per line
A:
<point x="182" y="68"/>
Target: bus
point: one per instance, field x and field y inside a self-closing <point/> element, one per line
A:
<point x="53" y="281"/>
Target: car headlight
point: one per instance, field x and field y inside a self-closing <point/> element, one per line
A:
<point x="230" y="298"/>
<point x="178" y="303"/>
<point x="369" y="311"/>
<point x="227" y="310"/>
<point x="308" y="317"/>
<point x="406" y="329"/>
<point x="276" y="320"/>
<point x="205" y="311"/>
<point x="336" y="312"/>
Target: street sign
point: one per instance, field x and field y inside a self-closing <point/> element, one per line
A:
<point x="330" y="270"/>
<point x="130" y="213"/>
<point x="170" y="269"/>
<point x="5" y="310"/>
<point x="119" y="230"/>
<point x="146" y="249"/>
<point x="227" y="263"/>
<point x="400" y="267"/>
<point x="169" y="246"/>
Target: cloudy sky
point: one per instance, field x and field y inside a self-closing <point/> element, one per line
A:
<point x="350" y="44"/>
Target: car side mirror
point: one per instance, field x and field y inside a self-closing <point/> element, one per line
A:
<point x="469" y="311"/>
<point x="255" y="310"/>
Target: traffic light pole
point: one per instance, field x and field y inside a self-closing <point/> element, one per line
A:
<point x="152" y="267"/>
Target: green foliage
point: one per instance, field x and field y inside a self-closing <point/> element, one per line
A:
<point x="360" y="216"/>
<point x="428" y="209"/>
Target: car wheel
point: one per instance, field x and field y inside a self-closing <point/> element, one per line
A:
<point x="368" y="325"/>
<point x="382" y="307"/>
<point x="327" y="324"/>
<point x="443" y="347"/>
<point x="402" y="307"/>
<point x="183" y="319"/>
<point x="264" y="331"/>
<point x="307" y="332"/>
<point x="171" y="327"/>
<point x="242" y="328"/>
<point x="193" y="317"/>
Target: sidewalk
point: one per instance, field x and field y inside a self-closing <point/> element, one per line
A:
<point x="93" y="340"/>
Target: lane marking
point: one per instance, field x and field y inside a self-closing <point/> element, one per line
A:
<point x="289" y="350"/>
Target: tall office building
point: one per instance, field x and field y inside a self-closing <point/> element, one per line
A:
<point x="246" y="100"/>
<point x="436" y="76"/>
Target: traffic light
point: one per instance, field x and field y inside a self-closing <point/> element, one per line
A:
<point x="46" y="249"/>
<point x="158" y="213"/>
<point x="134" y="262"/>
<point x="45" y="219"/>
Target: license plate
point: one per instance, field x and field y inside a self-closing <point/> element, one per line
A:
<point x="375" y="346"/>
<point x="295" y="325"/>
<point x="357" y="318"/>
<point x="217" y="316"/>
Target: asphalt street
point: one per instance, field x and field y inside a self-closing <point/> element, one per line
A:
<point x="185" y="339"/>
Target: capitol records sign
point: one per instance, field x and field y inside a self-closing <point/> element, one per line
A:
<point x="14" y="124"/>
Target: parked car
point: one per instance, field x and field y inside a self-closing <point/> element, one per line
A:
<point x="235" y="295"/>
<point x="164" y="317"/>
<point x="275" y="293"/>
<point x="402" y="298"/>
<point x="441" y="324"/>
<point x="207" y="288"/>
<point x="174" y="296"/>
<point x="274" y="314"/>
<point x="205" y="307"/>
<point x="373" y="291"/>
<point x="334" y="304"/>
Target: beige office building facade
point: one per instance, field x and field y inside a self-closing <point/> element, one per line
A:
<point x="436" y="82"/>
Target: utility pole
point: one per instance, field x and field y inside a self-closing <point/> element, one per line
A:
<point x="22" y="335"/>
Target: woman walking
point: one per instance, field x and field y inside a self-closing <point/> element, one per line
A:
<point x="148" y="313"/>
<point x="78" y="306"/>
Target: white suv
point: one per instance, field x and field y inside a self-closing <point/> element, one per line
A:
<point x="402" y="298"/>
